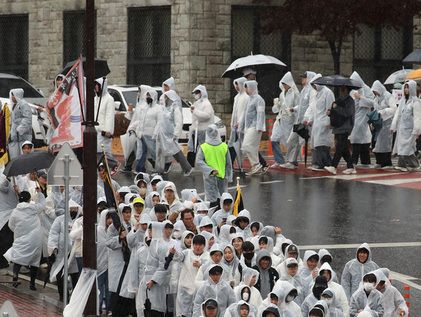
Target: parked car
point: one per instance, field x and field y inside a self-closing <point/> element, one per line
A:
<point x="33" y="96"/>
<point x="126" y="94"/>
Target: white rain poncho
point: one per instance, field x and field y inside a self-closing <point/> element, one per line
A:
<point x="337" y="289"/>
<point x="385" y="104"/>
<point x="407" y="122"/>
<point x="221" y="214"/>
<point x="286" y="306"/>
<point x="8" y="200"/>
<point x="322" y="253"/>
<point x="176" y="204"/>
<point x="372" y="302"/>
<point x="232" y="266"/>
<point x="168" y="130"/>
<point x="21" y="122"/>
<point x="202" y="274"/>
<point x="221" y="292"/>
<point x="27" y="233"/>
<point x="285" y="117"/>
<point x="361" y="133"/>
<point x="247" y="275"/>
<point x="321" y="134"/>
<point x="335" y="309"/>
<point x="305" y="271"/>
<point x="203" y="114"/>
<point x="234" y="309"/>
<point x="101" y="247"/>
<point x="106" y="115"/>
<point x="170" y="83"/>
<point x="214" y="186"/>
<point x="239" y="108"/>
<point x="140" y="104"/>
<point x="255" y="110"/>
<point x="304" y="99"/>
<point x="297" y="280"/>
<point x="354" y="271"/>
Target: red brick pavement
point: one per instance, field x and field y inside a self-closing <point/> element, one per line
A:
<point x="27" y="305"/>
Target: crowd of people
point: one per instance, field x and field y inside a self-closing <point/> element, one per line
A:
<point x="161" y="254"/>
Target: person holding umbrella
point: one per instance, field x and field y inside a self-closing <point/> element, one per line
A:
<point x="284" y="107"/>
<point x="316" y="116"/>
<point x="254" y="125"/>
<point x="342" y="116"/>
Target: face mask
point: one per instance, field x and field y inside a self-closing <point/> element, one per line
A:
<point x="248" y="256"/>
<point x="197" y="96"/>
<point x="149" y="100"/>
<point x="142" y="191"/>
<point x="246" y="296"/>
<point x="289" y="298"/>
<point x="368" y="287"/>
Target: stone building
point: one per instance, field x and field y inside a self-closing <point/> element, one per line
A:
<point x="146" y="41"/>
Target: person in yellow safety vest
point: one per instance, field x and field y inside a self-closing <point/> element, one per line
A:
<point x="213" y="158"/>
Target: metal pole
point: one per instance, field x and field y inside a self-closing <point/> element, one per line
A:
<point x="66" y="225"/>
<point x="89" y="160"/>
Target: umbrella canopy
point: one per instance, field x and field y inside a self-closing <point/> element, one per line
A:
<point x="28" y="163"/>
<point x="397" y="77"/>
<point x="414" y="57"/>
<point x="101" y="67"/>
<point x="337" y="81"/>
<point x="415" y="74"/>
<point x="259" y="62"/>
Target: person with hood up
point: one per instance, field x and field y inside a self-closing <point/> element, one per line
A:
<point x="393" y="301"/>
<point x="288" y="271"/>
<point x="214" y="287"/>
<point x="167" y="85"/>
<point x="210" y="308"/>
<point x="240" y="309"/>
<point x="202" y="117"/>
<point x="309" y="270"/>
<point x="294" y="141"/>
<point x="170" y="197"/>
<point x="407" y="125"/>
<point x="355" y="269"/>
<point x="76" y="234"/>
<point x="254" y="126"/>
<point x="367" y="296"/>
<point x="285" y="118"/>
<point x="191" y="260"/>
<point x="238" y="110"/>
<point x="216" y="255"/>
<point x="242" y="223"/>
<point x="342" y="117"/>
<point x="104" y="113"/>
<point x="214" y="160"/>
<point x="335" y="309"/>
<point x="166" y="134"/>
<point x="326" y="271"/>
<point x="219" y="217"/>
<point x="271" y="311"/>
<point x="292" y="251"/>
<point x="320" y="309"/>
<point x="232" y="264"/>
<point x="287" y="295"/>
<point x="249" y="280"/>
<point x="385" y="104"/>
<point x="57" y="253"/>
<point x="26" y="249"/>
<point x="143" y="126"/>
<point x="316" y="116"/>
<point x="320" y="284"/>
<point x="267" y="274"/>
<point x="21" y="122"/>
<point x="104" y="222"/>
<point x="361" y="135"/>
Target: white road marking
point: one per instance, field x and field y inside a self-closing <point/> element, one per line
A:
<point x="394" y="181"/>
<point x="355" y="176"/>
<point x="354" y="246"/>
<point x="405" y="279"/>
<point x="271" y="182"/>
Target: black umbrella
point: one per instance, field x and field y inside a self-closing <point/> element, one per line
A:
<point x="337" y="81"/>
<point x="101" y="67"/>
<point x="414" y="57"/>
<point x="303" y="132"/>
<point x="27" y="163"/>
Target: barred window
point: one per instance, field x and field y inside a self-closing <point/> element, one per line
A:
<point x="247" y="37"/>
<point x="148" y="45"/>
<point x="74" y="36"/>
<point x="14" y="44"/>
<point x="379" y="51"/>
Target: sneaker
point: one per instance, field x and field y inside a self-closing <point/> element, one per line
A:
<point x="289" y="166"/>
<point x="349" y="171"/>
<point x="317" y="169"/>
<point x="275" y="165"/>
<point x="387" y="167"/>
<point x="414" y="169"/>
<point x="254" y="170"/>
<point x="377" y="166"/>
<point x="167" y="170"/>
<point x="400" y="168"/>
<point x="265" y="169"/>
<point x="331" y="169"/>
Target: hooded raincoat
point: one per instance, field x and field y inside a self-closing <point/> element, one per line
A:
<point x="361" y="300"/>
<point x="238" y="111"/>
<point x="106" y="116"/>
<point x="337" y="289"/>
<point x="221" y="214"/>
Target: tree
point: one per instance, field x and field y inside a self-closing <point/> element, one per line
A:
<point x="335" y="20"/>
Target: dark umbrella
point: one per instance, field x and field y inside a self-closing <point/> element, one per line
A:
<point x="302" y="130"/>
<point x="101" y="67"/>
<point x="337" y="81"/>
<point x="414" y="57"/>
<point x="28" y="163"/>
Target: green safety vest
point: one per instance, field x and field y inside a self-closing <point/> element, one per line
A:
<point x="216" y="157"/>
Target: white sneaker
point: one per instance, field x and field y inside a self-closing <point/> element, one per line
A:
<point x="331" y="169"/>
<point x="400" y="168"/>
<point x="387" y="167"/>
<point x="317" y="169"/>
<point x="349" y="171"/>
<point x="275" y="165"/>
<point x="289" y="166"/>
<point x="377" y="166"/>
<point x="256" y="169"/>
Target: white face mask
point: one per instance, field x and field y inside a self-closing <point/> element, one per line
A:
<point x="142" y="191"/>
<point x="197" y="96"/>
<point x="246" y="297"/>
<point x="368" y="287"/>
<point x="289" y="298"/>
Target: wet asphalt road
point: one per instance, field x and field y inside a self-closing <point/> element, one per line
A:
<point x="325" y="211"/>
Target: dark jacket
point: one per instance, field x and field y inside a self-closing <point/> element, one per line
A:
<point x="343" y="115"/>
